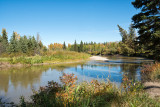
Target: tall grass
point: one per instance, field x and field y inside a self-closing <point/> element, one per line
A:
<point x="48" y="57"/>
<point x="89" y="94"/>
<point x="152" y="72"/>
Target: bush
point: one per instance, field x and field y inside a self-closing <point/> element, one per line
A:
<point x="93" y="94"/>
<point x="152" y="71"/>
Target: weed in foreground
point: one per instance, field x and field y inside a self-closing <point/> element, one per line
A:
<point x="90" y="94"/>
<point x="151" y="72"/>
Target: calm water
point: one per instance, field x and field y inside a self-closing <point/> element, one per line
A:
<point x="18" y="82"/>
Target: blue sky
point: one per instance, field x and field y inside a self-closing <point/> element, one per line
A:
<point x="67" y="20"/>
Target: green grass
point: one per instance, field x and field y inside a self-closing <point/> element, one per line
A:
<point x="49" y="57"/>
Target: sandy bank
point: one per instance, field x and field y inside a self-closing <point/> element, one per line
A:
<point x="98" y="58"/>
<point x="152" y="88"/>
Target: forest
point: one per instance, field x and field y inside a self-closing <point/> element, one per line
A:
<point x="130" y="45"/>
<point x="145" y="43"/>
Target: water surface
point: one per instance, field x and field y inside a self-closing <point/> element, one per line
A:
<point x="16" y="82"/>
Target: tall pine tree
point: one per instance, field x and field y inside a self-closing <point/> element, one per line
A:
<point x="81" y="46"/>
<point x="0" y="38"/>
<point x="23" y="44"/>
<point x="127" y="45"/>
<point x="13" y="45"/>
<point x="131" y="37"/>
<point x="64" y="46"/>
<point x="4" y="40"/>
<point x="148" y="24"/>
<point x="123" y="33"/>
<point x="75" y="46"/>
<point x="1" y="44"/>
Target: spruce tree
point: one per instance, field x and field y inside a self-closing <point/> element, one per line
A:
<point x="75" y="46"/>
<point x="34" y="45"/>
<point x="13" y="45"/>
<point x="147" y="21"/>
<point x="81" y="46"/>
<point x="30" y="43"/>
<point x="64" y="46"/>
<point x="123" y="33"/>
<point x="1" y="44"/>
<point x="4" y="40"/>
<point x="23" y="44"/>
<point x="128" y="40"/>
<point x="0" y="38"/>
<point x="132" y="36"/>
<point x="132" y="32"/>
<point x="38" y="44"/>
<point x="4" y="36"/>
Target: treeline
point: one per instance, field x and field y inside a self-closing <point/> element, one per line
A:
<point x="146" y="44"/>
<point x="20" y="44"/>
<point x="89" y="47"/>
<point x="126" y="47"/>
<point x="96" y="48"/>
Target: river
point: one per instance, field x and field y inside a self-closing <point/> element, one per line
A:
<point x="16" y="82"/>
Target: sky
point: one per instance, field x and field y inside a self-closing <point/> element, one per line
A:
<point x="67" y="20"/>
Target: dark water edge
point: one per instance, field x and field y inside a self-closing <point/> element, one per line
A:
<point x="16" y="82"/>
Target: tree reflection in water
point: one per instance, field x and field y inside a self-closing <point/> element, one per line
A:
<point x="26" y="76"/>
<point x="24" y="79"/>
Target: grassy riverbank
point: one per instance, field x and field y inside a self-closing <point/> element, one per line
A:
<point x="92" y="94"/>
<point x="48" y="57"/>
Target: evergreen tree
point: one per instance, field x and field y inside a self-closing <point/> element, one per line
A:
<point x="30" y="46"/>
<point x="0" y="38"/>
<point x="13" y="45"/>
<point x="4" y="40"/>
<point x="132" y="36"/>
<point x="4" y="36"/>
<point x="148" y="24"/>
<point x="128" y="40"/>
<point x="64" y="46"/>
<point x="91" y="43"/>
<point x="132" y="32"/>
<point x="123" y="33"/>
<point x="40" y="44"/>
<point x="75" y="46"/>
<point x="1" y="44"/>
<point x="34" y="45"/>
<point x="24" y="44"/>
<point x="37" y="51"/>
<point x="81" y="46"/>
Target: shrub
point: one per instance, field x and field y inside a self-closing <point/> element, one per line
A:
<point x="152" y="71"/>
<point x="93" y="94"/>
